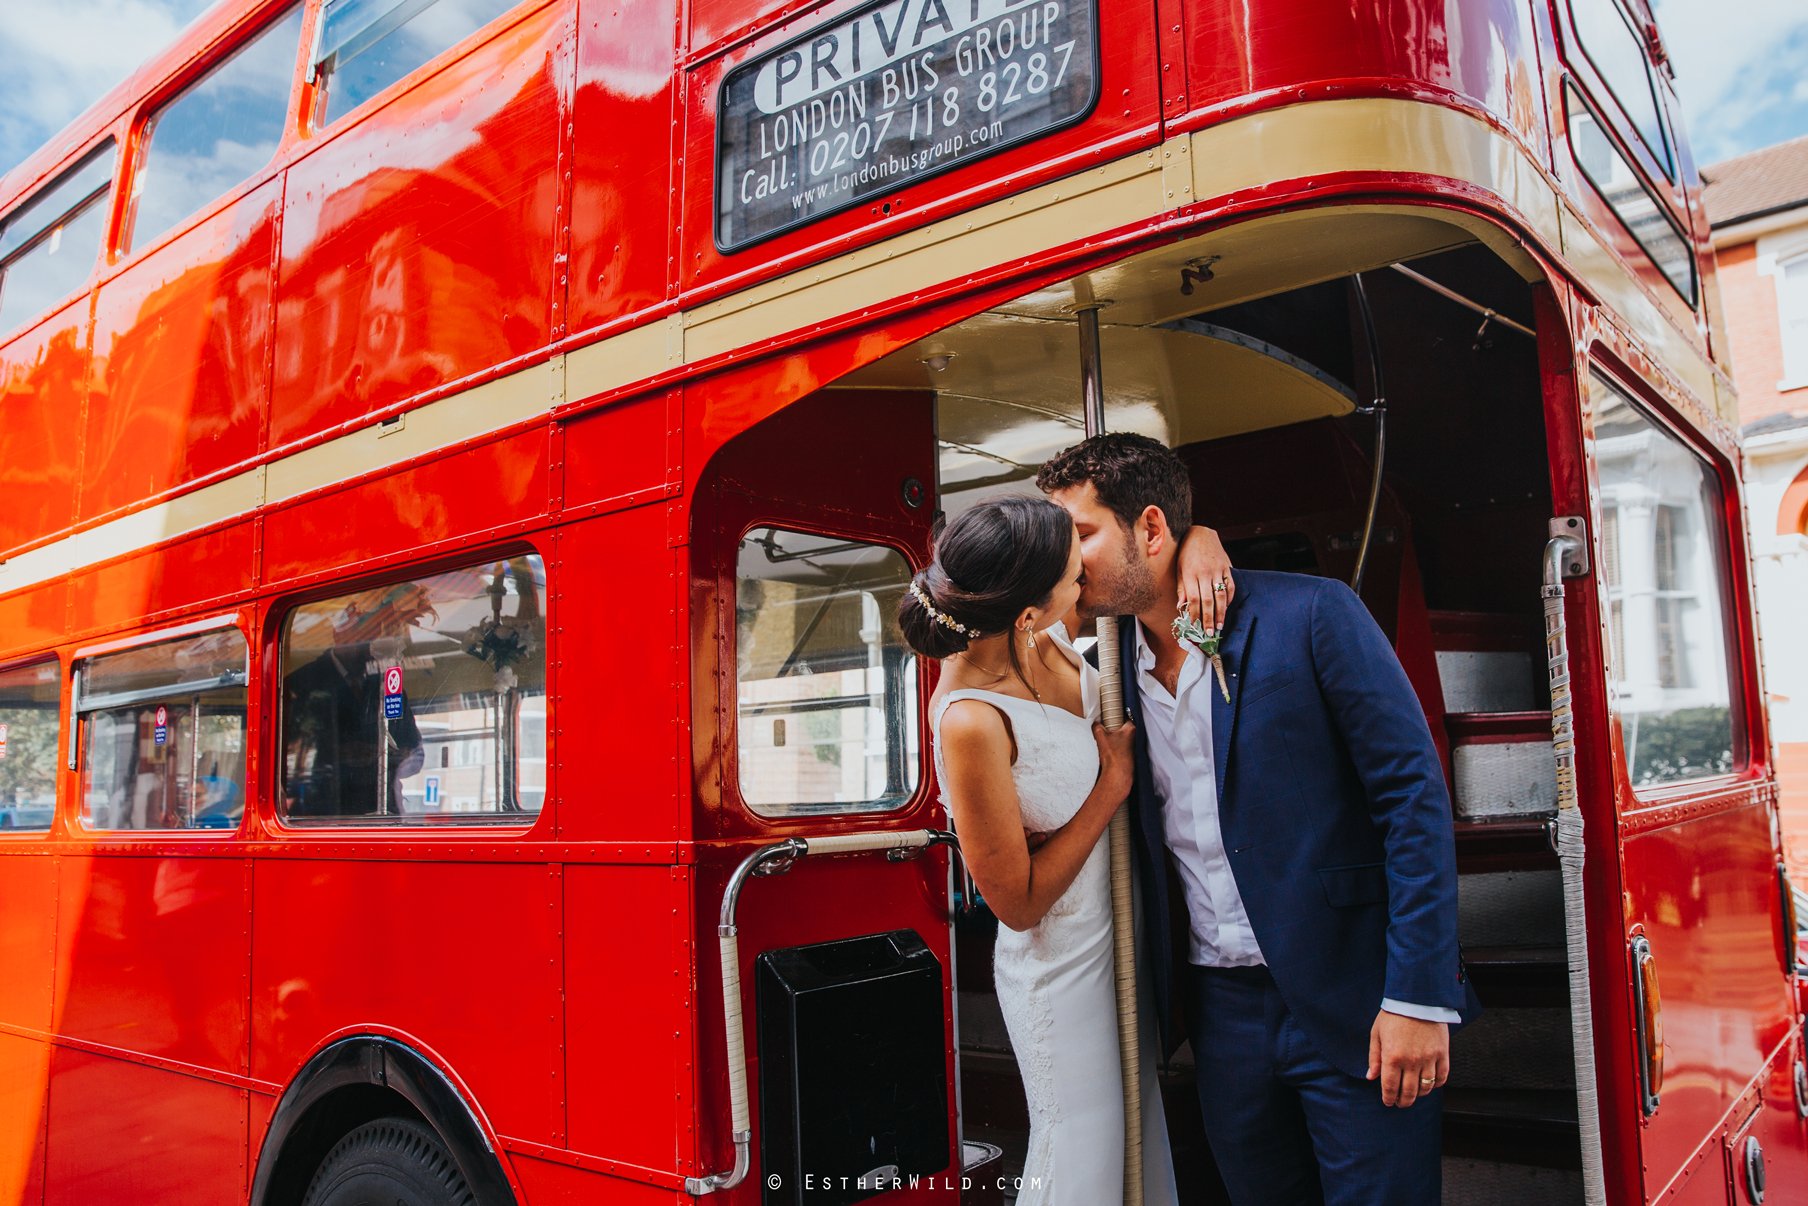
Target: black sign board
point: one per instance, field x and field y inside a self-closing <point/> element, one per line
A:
<point x="890" y="95"/>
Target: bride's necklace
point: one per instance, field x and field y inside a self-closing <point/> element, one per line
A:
<point x="999" y="675"/>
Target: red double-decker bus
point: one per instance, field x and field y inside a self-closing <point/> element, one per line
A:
<point x="460" y="461"/>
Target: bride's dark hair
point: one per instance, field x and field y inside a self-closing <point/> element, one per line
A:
<point x="992" y="561"/>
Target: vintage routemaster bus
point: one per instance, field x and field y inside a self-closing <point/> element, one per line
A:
<point x="460" y="461"/>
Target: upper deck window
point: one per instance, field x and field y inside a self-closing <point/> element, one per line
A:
<point x="164" y="734"/>
<point x="31" y="700"/>
<point x="419" y="701"/>
<point x="826" y="687"/>
<point x="363" y="46"/>
<point x="48" y="245"/>
<point x="1628" y="196"/>
<point x="217" y="133"/>
<point x="1613" y="45"/>
<point x="1663" y="556"/>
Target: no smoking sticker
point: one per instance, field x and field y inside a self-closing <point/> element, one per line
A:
<point x="392" y="693"/>
<point x="161" y="733"/>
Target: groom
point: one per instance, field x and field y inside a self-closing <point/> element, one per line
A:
<point x="1308" y="822"/>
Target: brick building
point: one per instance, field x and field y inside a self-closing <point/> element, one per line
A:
<point x="1758" y="204"/>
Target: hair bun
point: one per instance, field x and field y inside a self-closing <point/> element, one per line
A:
<point x="991" y="561"/>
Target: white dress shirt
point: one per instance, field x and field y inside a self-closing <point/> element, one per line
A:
<point x="1179" y="731"/>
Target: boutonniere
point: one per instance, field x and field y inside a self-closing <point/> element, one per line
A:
<point x="1186" y="628"/>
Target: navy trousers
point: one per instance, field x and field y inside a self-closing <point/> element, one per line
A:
<point x="1286" y="1125"/>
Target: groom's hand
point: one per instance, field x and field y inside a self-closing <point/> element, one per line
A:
<point x="1410" y="1057"/>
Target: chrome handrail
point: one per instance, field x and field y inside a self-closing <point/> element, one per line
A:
<point x="898" y="844"/>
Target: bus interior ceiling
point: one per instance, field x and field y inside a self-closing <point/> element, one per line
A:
<point x="1255" y="367"/>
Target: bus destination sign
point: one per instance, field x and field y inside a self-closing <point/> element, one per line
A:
<point x="896" y="93"/>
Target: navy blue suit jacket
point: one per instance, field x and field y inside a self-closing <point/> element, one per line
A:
<point x="1334" y="812"/>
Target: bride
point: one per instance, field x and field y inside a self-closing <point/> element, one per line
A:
<point x="1018" y="750"/>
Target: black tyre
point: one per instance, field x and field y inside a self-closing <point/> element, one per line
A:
<point x="389" y="1162"/>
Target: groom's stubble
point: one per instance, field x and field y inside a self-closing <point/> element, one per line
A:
<point x="1120" y="581"/>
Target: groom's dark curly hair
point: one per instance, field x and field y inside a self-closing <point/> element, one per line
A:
<point x="1129" y="472"/>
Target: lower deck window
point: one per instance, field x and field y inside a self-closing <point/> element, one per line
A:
<point x="418" y="700"/>
<point x="30" y="700"/>
<point x="163" y="734"/>
<point x="826" y="695"/>
<point x="1665" y="566"/>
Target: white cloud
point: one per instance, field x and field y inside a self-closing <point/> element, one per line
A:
<point x="1740" y="68"/>
<point x="63" y="56"/>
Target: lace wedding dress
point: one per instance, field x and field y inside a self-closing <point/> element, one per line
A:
<point x="1055" y="979"/>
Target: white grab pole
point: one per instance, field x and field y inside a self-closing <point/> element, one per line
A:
<point x="1111" y="712"/>
<point x="1565" y="550"/>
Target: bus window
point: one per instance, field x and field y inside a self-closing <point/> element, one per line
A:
<point x="31" y="701"/>
<point x="1664" y="562"/>
<point x="418" y="700"/>
<point x="163" y="734"/>
<point x="1613" y="44"/>
<point x="364" y="46"/>
<point x="217" y="133"/>
<point x="826" y="689"/>
<point x="1633" y="203"/>
<point x="49" y="244"/>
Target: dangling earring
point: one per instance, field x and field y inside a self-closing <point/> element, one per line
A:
<point x="1030" y="638"/>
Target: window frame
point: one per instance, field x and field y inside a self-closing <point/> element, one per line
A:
<point x="103" y="256"/>
<point x="1731" y="581"/>
<point x="271" y="743"/>
<point x="77" y="745"/>
<point x="1791" y="307"/>
<point x="315" y="122"/>
<point x="728" y="690"/>
<point x="1660" y="198"/>
<point x="64" y="731"/>
<point x="135" y="146"/>
<point x="1602" y="92"/>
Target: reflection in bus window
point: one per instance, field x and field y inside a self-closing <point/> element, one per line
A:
<point x="826" y="689"/>
<point x="1663" y="561"/>
<point x="1634" y="204"/>
<point x="163" y="734"/>
<point x="419" y="700"/>
<point x="217" y="133"/>
<point x="31" y="700"/>
<point x="48" y="245"/>
<point x="1617" y="50"/>
<point x="364" y="46"/>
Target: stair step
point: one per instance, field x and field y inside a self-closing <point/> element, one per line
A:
<point x="1519" y="977"/>
<point x="1513" y="1126"/>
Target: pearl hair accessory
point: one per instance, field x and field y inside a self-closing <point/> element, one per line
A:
<point x="940" y="617"/>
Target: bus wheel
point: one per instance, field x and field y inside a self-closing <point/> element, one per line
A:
<point x="389" y="1160"/>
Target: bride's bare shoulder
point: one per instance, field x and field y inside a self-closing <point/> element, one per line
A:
<point x="974" y="729"/>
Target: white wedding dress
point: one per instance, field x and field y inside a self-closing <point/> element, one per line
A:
<point x="1055" y="980"/>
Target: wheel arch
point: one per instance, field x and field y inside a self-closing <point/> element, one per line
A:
<point x="357" y="1080"/>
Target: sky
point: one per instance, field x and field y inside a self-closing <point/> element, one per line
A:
<point x="1741" y="65"/>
